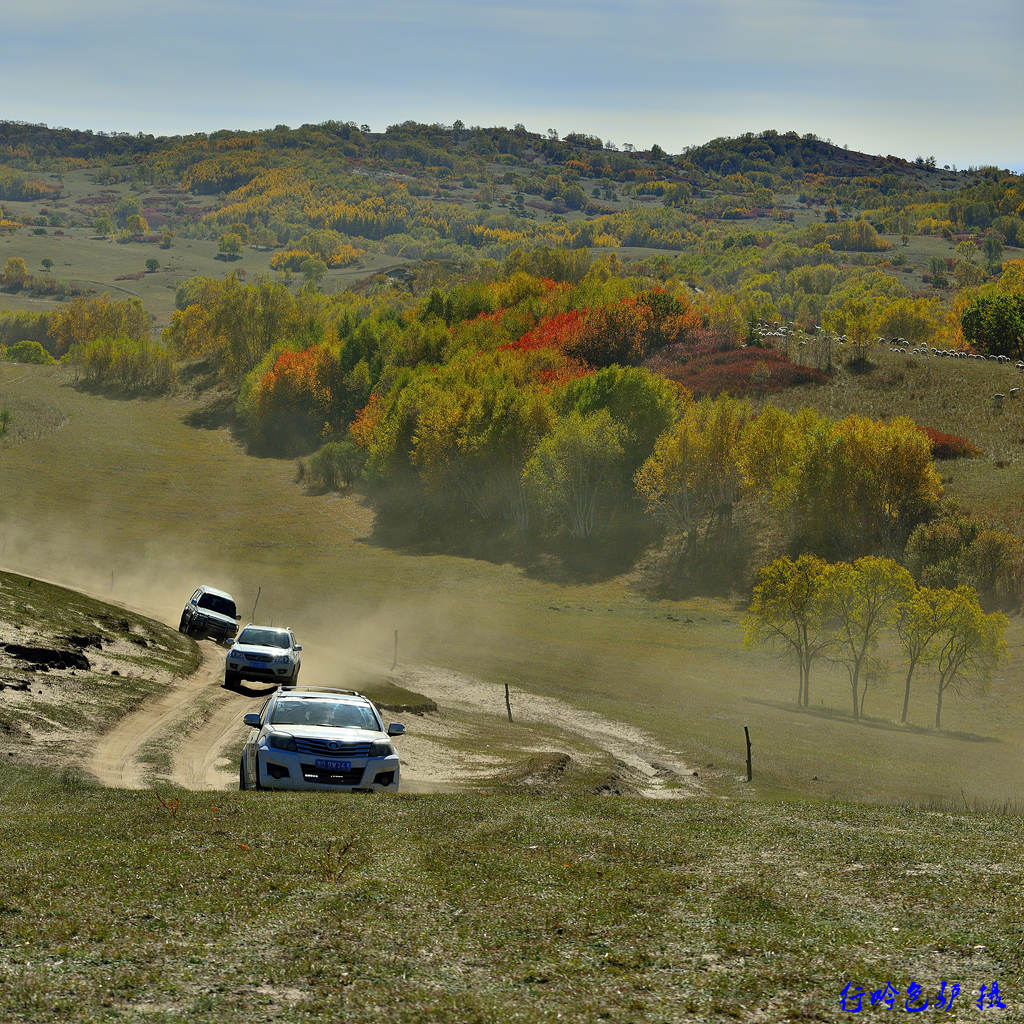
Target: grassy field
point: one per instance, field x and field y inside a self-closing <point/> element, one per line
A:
<point x="47" y="710"/>
<point x="127" y="499"/>
<point x="100" y="264"/>
<point x="234" y="907"/>
<point x="954" y="396"/>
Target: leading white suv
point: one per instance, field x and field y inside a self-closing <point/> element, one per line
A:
<point x="264" y="653"/>
<point x="319" y="739"/>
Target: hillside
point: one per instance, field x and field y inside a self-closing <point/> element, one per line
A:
<point x="70" y="666"/>
<point x="301" y="907"/>
<point x="169" y="505"/>
<point x="366" y="204"/>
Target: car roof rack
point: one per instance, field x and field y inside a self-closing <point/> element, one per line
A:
<point x="327" y="689"/>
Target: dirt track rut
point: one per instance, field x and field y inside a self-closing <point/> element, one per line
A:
<point x="115" y="760"/>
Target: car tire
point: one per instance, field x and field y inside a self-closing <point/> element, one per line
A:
<point x="256" y="774"/>
<point x="294" y="680"/>
<point x="241" y="773"/>
<point x="231" y="680"/>
<point x="183" y="625"/>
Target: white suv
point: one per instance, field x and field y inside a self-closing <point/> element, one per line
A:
<point x="319" y="739"/>
<point x="209" y="612"/>
<point x="264" y="653"/>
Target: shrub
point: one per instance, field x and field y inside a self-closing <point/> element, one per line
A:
<point x="950" y="446"/>
<point x="29" y="352"/>
<point x="738" y="372"/>
<point x="130" y="365"/>
<point x="336" y="466"/>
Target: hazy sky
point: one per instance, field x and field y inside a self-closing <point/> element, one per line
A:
<point x="905" y="77"/>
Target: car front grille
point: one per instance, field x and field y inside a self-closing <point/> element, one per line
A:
<point x="265" y="658"/>
<point x="350" y="778"/>
<point x="324" y="747"/>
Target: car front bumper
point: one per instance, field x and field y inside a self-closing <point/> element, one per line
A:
<point x="282" y="769"/>
<point x="261" y="670"/>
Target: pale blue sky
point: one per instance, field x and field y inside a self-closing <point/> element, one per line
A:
<point x="906" y="77"/>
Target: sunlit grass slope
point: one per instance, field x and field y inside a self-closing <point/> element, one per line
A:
<point x="126" y="499"/>
<point x="467" y="908"/>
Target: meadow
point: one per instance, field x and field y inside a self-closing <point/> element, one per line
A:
<point x="482" y="907"/>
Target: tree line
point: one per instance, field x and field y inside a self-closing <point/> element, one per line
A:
<point x="840" y="611"/>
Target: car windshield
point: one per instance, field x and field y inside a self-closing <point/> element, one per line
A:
<point x="328" y="713"/>
<point x="260" y="637"/>
<point x="218" y="604"/>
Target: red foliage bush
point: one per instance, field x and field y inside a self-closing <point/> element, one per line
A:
<point x="740" y="371"/>
<point x="560" y="332"/>
<point x="949" y="446"/>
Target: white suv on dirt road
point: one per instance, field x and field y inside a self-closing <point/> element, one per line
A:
<point x="264" y="653"/>
<point x="209" y="612"/>
<point x="319" y="739"/>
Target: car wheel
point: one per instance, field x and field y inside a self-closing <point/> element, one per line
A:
<point x="241" y="773"/>
<point x="231" y="680"/>
<point x="183" y="625"/>
<point x="294" y="681"/>
<point x="256" y="774"/>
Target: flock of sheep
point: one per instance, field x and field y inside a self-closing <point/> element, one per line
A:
<point x="902" y="345"/>
<point x="789" y="333"/>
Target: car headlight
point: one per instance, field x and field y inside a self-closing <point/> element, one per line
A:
<point x="381" y="748"/>
<point x="282" y="659"/>
<point x="282" y="741"/>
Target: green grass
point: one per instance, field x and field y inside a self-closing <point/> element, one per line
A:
<point x="39" y="614"/>
<point x="168" y="507"/>
<point x="82" y="258"/>
<point x="472" y="908"/>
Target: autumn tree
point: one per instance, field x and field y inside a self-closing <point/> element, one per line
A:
<point x="644" y="403"/>
<point x="918" y="625"/>
<point x="864" y="599"/>
<point x="83" y="320"/>
<point x="970" y="645"/>
<point x="993" y="249"/>
<point x="237" y="325"/>
<point x="859" y="485"/>
<point x="789" y="606"/>
<point x="15" y="272"/>
<point x="695" y="471"/>
<point x="229" y="245"/>
<point x="574" y="473"/>
<point x="995" y="324"/>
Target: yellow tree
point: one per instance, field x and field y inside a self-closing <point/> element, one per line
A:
<point x="84" y="320"/>
<point x="917" y="627"/>
<point x="15" y="272"/>
<point x="790" y="606"/>
<point x="695" y="471"/>
<point x="971" y="644"/>
<point x="864" y="598"/>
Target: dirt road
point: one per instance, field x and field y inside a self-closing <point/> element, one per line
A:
<point x="196" y="745"/>
<point x="197" y="725"/>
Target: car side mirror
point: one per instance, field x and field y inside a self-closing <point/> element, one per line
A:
<point x="238" y="618"/>
<point x="298" y="647"/>
<point x="396" y="729"/>
<point x="252" y="718"/>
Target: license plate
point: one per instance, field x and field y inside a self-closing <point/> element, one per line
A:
<point x="324" y="764"/>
